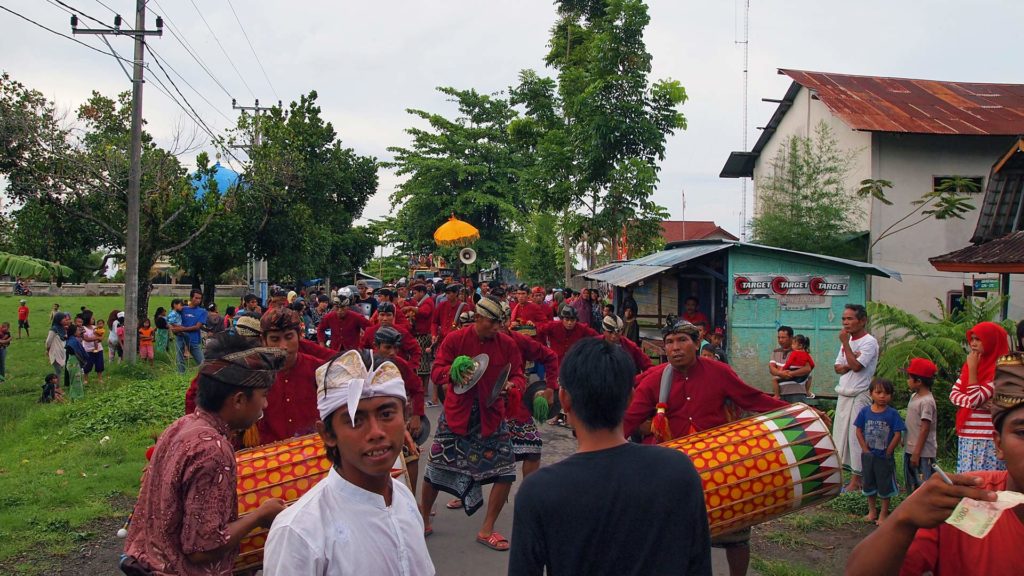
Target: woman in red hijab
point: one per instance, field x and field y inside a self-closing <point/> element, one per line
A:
<point x="972" y="394"/>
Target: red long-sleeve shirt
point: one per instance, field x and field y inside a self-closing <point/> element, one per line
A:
<point x="696" y="400"/>
<point x="530" y="312"/>
<point x="533" y="351"/>
<point x="559" y="339"/>
<point x="424" y="314"/>
<point x="291" y="403"/>
<point x="345" y="330"/>
<point x="501" y="350"/>
<point x="443" y="322"/>
<point x="413" y="385"/>
<point x="409" y="349"/>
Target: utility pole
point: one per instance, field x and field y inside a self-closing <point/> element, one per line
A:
<point x="131" y="280"/>
<point x="259" y="267"/>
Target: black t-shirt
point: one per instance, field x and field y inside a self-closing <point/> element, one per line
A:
<point x="161" y="323"/>
<point x="626" y="510"/>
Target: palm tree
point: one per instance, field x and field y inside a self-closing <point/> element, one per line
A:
<point x="25" y="266"/>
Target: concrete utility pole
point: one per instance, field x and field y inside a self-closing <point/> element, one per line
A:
<point x="131" y="279"/>
<point x="259" y="267"/>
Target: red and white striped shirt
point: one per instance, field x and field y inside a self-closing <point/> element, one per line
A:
<point x="979" y="421"/>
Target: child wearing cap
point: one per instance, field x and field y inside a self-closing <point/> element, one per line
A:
<point x="919" y="443"/>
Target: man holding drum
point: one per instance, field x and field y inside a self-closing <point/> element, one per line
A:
<point x="686" y="395"/>
<point x="186" y="517"/>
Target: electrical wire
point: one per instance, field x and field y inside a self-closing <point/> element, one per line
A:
<point x="180" y="38"/>
<point x="84" y="15"/>
<point x="187" y="83"/>
<point x="52" y="31"/>
<point x="225" y="52"/>
<point x="244" y="33"/>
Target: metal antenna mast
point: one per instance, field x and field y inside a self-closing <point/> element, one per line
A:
<point x="746" y="81"/>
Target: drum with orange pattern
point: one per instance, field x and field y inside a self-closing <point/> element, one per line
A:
<point x="763" y="467"/>
<point x="286" y="470"/>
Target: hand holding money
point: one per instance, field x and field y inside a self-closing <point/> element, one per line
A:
<point x="978" y="517"/>
<point x="934" y="502"/>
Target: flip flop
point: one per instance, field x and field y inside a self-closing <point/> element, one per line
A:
<point x="454" y="504"/>
<point x="495" y="542"/>
<point x="428" y="532"/>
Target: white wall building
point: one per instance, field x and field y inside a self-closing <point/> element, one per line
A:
<point x="913" y="133"/>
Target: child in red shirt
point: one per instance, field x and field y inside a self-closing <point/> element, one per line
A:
<point x="23" y="319"/>
<point x="800" y="357"/>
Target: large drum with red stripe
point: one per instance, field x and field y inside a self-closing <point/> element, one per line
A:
<point x="763" y="467"/>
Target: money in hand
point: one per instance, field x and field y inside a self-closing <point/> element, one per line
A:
<point x="977" y="518"/>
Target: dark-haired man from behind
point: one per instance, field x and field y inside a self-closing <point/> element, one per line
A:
<point x="622" y="508"/>
<point x="186" y="519"/>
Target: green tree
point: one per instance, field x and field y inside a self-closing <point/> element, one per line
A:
<point x="306" y="190"/>
<point x="463" y="166"/>
<point x="612" y="119"/>
<point x="80" y="172"/>
<point x="804" y="203"/>
<point x="950" y="199"/>
<point x="537" y="253"/>
<point x="941" y="338"/>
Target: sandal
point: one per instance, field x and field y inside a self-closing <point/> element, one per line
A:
<point x="454" y="504"/>
<point x="428" y="531"/>
<point x="495" y="542"/>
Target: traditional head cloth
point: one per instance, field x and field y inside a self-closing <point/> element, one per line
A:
<point x="279" y="319"/>
<point x="996" y="343"/>
<point x="453" y="287"/>
<point x="490" y="308"/>
<point x="612" y="323"/>
<point x="419" y="288"/>
<point x="252" y="368"/>
<point x="248" y="326"/>
<point x="569" y="313"/>
<point x="387" y="335"/>
<point x="538" y="290"/>
<point x="1009" y="387"/>
<point x="466" y="317"/>
<point x="676" y="325"/>
<point x="345" y="380"/>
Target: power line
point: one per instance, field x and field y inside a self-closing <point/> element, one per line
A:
<point x="180" y="38"/>
<point x="73" y="9"/>
<point x="187" y="83"/>
<point x="52" y="31"/>
<point x="244" y="33"/>
<point x="105" y="5"/>
<point x="225" y="52"/>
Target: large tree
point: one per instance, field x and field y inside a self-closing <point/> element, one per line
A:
<point x="612" y="118"/>
<point x="78" y="172"/>
<point x="463" y="166"/>
<point x="305" y="190"/>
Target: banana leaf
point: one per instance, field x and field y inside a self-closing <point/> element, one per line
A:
<point x="26" y="266"/>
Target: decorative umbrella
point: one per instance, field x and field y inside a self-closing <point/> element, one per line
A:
<point x="455" y="232"/>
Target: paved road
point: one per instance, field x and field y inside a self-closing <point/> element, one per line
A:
<point x="453" y="547"/>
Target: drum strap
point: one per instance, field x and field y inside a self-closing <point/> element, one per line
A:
<point x="666" y="384"/>
<point x="659" y="424"/>
<point x="458" y="311"/>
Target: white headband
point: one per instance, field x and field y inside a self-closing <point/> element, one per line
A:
<point x="346" y="380"/>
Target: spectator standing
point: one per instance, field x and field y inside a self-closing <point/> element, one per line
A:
<point x="55" y="309"/>
<point x="112" y="343"/>
<point x="193" y="318"/>
<point x="972" y="394"/>
<point x="919" y="445"/>
<point x="147" y="335"/>
<point x="76" y="362"/>
<point x="92" y="342"/>
<point x="5" y="341"/>
<point x="160" y="323"/>
<point x="855" y="364"/>
<point x="55" y="339"/>
<point x="23" y="318"/>
<point x="879" y="431"/>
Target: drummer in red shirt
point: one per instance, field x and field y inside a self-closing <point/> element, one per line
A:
<point x="612" y="327"/>
<point x="561" y="334"/>
<point x="915" y="539"/>
<point x="409" y="350"/>
<point x="446" y="313"/>
<point x="537" y="296"/>
<point x="528" y="313"/>
<point x="346" y="326"/>
<point x="291" y="403"/>
<point x="694" y="401"/>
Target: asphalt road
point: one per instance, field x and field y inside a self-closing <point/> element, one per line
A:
<point x="453" y="545"/>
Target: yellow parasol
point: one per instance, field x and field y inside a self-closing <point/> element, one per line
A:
<point x="455" y="232"/>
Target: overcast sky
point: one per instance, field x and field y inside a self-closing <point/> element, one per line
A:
<point x="371" y="60"/>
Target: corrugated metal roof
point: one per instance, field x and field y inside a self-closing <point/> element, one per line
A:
<point x="1005" y="255"/>
<point x="1002" y="211"/>
<point x="624" y="274"/>
<point x="883" y="104"/>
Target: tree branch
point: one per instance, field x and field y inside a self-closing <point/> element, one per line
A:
<point x="187" y="241"/>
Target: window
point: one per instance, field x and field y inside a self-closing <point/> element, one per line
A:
<point x="976" y="186"/>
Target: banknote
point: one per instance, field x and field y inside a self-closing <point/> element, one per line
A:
<point x="977" y="518"/>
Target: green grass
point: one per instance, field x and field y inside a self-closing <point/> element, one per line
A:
<point x="56" y="476"/>
<point x="767" y="567"/>
<point x="817" y="520"/>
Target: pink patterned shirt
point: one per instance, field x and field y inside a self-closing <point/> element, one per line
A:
<point x="187" y="500"/>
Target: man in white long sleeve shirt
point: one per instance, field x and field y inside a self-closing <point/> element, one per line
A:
<point x="357" y="520"/>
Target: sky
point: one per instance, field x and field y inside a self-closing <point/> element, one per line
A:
<point x="370" y="61"/>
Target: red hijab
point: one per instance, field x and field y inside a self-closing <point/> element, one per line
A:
<point x="995" y="342"/>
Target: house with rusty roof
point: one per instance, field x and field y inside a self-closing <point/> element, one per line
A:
<point x="913" y="133"/>
<point x="682" y="230"/>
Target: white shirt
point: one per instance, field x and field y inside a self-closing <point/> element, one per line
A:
<point x="853" y="383"/>
<point x="337" y="528"/>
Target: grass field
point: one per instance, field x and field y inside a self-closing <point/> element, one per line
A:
<point x="57" y="474"/>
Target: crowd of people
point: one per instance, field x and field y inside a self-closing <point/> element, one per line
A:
<point x="359" y="368"/>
